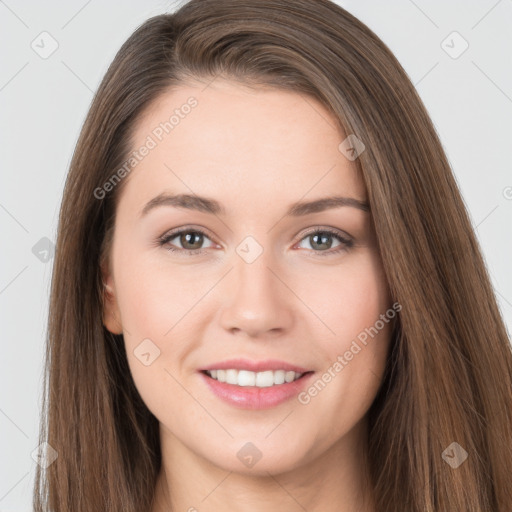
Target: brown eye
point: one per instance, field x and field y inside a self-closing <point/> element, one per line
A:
<point x="190" y="240"/>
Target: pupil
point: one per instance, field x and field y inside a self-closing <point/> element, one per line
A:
<point x="188" y="236"/>
<point x="323" y="237"/>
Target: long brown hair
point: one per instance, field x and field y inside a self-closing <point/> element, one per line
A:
<point x="449" y="373"/>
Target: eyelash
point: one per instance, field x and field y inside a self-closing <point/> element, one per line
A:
<point x="165" y="239"/>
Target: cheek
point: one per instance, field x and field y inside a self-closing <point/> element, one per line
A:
<point x="154" y="297"/>
<point x="156" y="304"/>
<point x="360" y="313"/>
<point x="350" y="297"/>
<point x="150" y="308"/>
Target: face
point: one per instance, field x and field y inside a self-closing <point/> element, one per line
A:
<point x="248" y="285"/>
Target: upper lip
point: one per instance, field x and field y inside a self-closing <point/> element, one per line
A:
<point x="255" y="366"/>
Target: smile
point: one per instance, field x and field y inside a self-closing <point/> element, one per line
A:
<point x="245" y="389"/>
<point x="245" y="378"/>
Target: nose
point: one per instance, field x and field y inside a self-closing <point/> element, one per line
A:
<point x="258" y="301"/>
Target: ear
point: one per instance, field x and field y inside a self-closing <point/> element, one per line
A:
<point x="111" y="312"/>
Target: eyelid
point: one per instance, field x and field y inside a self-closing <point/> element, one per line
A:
<point x="327" y="229"/>
<point x="194" y="228"/>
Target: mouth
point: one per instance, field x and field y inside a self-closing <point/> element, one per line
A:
<point x="250" y="385"/>
<point x="247" y="378"/>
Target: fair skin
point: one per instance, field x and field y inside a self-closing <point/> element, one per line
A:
<point x="256" y="152"/>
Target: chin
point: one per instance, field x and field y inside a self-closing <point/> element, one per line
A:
<point x="257" y="458"/>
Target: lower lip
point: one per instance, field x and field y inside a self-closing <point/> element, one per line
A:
<point x="252" y="397"/>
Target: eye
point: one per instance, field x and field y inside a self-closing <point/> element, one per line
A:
<point x="191" y="241"/>
<point x="322" y="238"/>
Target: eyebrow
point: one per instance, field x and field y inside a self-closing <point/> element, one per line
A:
<point x="207" y="205"/>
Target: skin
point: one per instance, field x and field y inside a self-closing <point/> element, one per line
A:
<point x="256" y="152"/>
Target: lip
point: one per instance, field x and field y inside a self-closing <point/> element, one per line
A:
<point x="253" y="397"/>
<point x="255" y="366"/>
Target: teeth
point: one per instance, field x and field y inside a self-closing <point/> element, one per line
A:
<point x="259" y="379"/>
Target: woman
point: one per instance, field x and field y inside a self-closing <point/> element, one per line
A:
<point x="267" y="293"/>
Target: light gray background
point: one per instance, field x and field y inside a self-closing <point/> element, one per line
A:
<point x="44" y="102"/>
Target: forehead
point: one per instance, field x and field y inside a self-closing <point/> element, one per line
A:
<point x="248" y="147"/>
